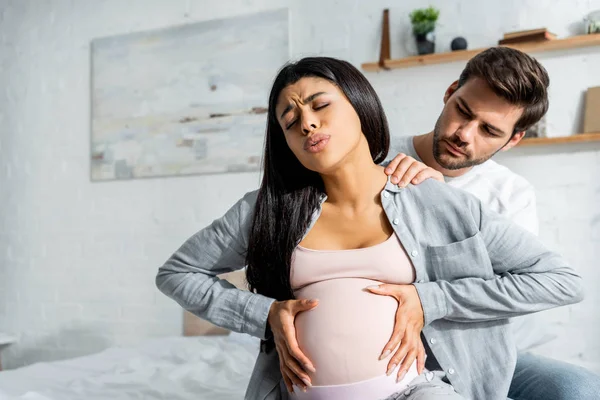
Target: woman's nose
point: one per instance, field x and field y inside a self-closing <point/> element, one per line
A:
<point x="309" y="123"/>
<point x="308" y="129"/>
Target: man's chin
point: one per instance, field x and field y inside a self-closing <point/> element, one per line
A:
<point x="453" y="163"/>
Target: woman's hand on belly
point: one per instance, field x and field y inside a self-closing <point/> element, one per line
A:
<point x="292" y="361"/>
<point x="407" y="328"/>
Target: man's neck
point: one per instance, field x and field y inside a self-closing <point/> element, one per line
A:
<point x="424" y="148"/>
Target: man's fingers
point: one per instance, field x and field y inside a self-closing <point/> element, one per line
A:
<point x="410" y="173"/>
<point x="426" y="174"/>
<point x="394" y="163"/>
<point x="401" y="169"/>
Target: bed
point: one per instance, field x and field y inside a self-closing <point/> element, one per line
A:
<point x="213" y="366"/>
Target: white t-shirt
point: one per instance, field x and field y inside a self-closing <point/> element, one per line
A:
<point x="510" y="195"/>
<point x="496" y="186"/>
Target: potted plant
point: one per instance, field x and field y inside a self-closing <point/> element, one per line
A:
<point x="423" y="26"/>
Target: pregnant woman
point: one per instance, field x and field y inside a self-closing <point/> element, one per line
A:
<point x="327" y="224"/>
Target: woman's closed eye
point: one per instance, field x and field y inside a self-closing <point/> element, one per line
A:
<point x="318" y="107"/>
<point x="289" y="125"/>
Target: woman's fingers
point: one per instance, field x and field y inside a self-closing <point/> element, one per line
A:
<point x="407" y="345"/>
<point x="294" y="379"/>
<point x="393" y="343"/>
<point x="288" y="382"/>
<point x="399" y="323"/>
<point x="284" y="329"/>
<point x="397" y="357"/>
<point x="290" y="367"/>
<point x="298" y="371"/>
<point x="397" y="334"/>
<point x="406" y="363"/>
<point x="291" y="343"/>
<point x="421" y="358"/>
<point x="293" y="362"/>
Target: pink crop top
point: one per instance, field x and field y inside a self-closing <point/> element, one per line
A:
<point x="345" y="334"/>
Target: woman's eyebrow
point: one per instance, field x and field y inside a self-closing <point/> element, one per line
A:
<point x="306" y="100"/>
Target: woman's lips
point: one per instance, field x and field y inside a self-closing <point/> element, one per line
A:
<point x="316" y="142"/>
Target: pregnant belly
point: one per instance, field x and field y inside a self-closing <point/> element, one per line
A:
<point x="345" y="334"/>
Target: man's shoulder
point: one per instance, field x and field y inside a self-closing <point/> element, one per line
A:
<point x="403" y="144"/>
<point x="502" y="178"/>
<point x="499" y="188"/>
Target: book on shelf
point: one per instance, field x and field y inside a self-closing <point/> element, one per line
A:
<point x="510" y="35"/>
<point x="591" y="119"/>
<point x="534" y="38"/>
<point x="528" y="36"/>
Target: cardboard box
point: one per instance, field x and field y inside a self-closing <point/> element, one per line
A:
<point x="591" y="119"/>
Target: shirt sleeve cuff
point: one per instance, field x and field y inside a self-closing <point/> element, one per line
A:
<point x="258" y="307"/>
<point x="433" y="301"/>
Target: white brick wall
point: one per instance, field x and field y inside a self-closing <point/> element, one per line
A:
<point x="77" y="259"/>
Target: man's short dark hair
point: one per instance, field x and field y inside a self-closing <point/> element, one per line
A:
<point x="514" y="76"/>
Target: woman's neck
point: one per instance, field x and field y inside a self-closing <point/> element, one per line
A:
<point x="355" y="185"/>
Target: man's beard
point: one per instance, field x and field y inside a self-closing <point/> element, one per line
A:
<point x="467" y="162"/>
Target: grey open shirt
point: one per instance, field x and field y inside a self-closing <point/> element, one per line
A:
<point x="474" y="270"/>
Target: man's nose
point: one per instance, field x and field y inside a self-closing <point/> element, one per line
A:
<point x="467" y="132"/>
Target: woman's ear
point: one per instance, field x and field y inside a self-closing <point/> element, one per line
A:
<point x="450" y="91"/>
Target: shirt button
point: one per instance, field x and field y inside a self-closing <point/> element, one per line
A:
<point x="395" y="221"/>
<point x="386" y="194"/>
<point x="429" y="376"/>
<point x="414" y="253"/>
<point x="450" y="371"/>
<point x="432" y="341"/>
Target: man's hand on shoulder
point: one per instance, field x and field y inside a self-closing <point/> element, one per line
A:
<point x="405" y="169"/>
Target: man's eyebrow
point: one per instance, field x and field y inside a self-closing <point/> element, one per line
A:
<point x="306" y="100"/>
<point x="466" y="106"/>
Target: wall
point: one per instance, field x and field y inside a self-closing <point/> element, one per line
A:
<point x="77" y="259"/>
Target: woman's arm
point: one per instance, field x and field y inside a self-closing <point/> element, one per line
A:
<point x="189" y="275"/>
<point x="528" y="277"/>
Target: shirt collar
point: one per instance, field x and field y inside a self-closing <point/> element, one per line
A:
<point x="391" y="187"/>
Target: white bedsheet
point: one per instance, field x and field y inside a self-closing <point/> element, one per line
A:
<point x="175" y="368"/>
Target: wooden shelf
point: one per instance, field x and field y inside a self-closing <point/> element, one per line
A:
<point x="573" y="42"/>
<point x="577" y="138"/>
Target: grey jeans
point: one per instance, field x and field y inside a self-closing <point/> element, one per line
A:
<point x="428" y="386"/>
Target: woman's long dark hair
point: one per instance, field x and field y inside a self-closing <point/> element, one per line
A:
<point x="290" y="193"/>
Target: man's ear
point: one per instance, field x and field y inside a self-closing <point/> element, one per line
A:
<point x="514" y="140"/>
<point x="450" y="91"/>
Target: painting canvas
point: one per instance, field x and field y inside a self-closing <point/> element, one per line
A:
<point x="185" y="100"/>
